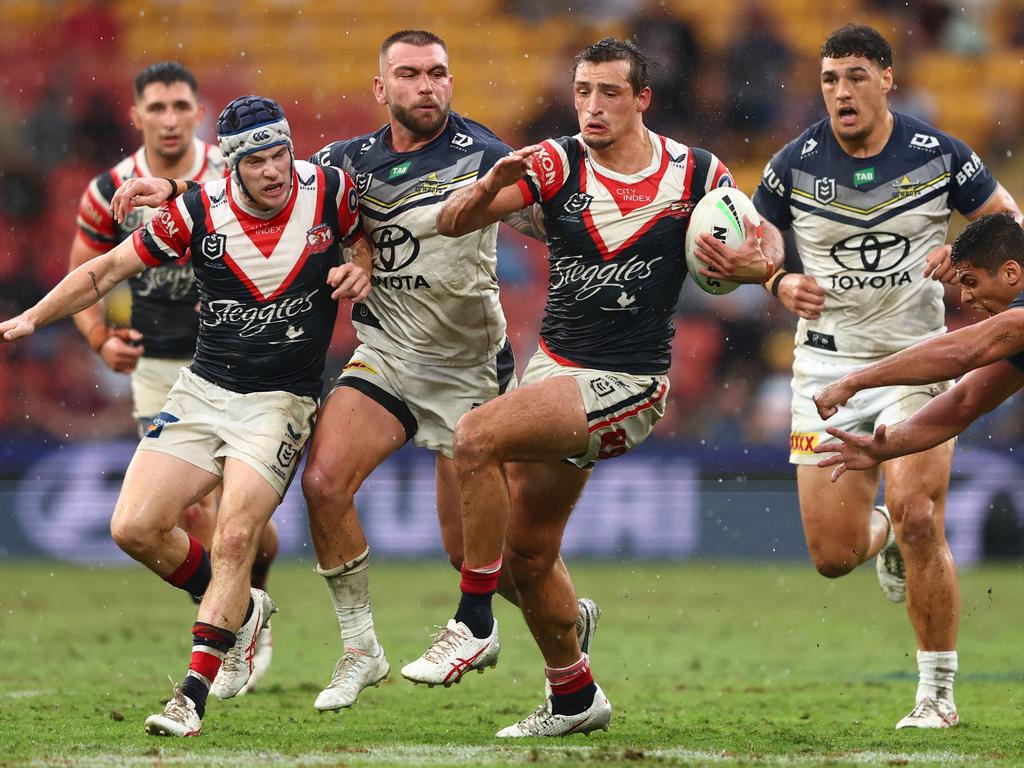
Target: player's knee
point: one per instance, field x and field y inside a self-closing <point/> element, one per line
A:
<point x="472" y="443"/>
<point x="132" y="536"/>
<point x="326" y="490"/>
<point x="916" y="523"/>
<point x="833" y="561"/>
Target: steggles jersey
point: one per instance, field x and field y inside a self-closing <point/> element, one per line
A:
<point x="265" y="309"/>
<point x="163" y="298"/>
<point x="615" y="241"/>
<point x="434" y="298"/>
<point x="864" y="226"/>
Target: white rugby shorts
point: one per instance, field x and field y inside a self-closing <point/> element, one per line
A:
<point x="428" y="399"/>
<point x="622" y="408"/>
<point x="152" y="379"/>
<point x="203" y="424"/>
<point x="813" y="371"/>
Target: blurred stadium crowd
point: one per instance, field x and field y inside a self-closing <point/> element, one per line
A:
<point x="740" y="80"/>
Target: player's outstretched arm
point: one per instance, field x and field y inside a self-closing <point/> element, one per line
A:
<point x="82" y="287"/>
<point x="119" y="348"/>
<point x="942" y="418"/>
<point x="937" y="359"/>
<point x="145" y="191"/>
<point x="492" y="197"/>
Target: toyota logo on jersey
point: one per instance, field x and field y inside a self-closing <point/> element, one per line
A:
<point x="396" y="247"/>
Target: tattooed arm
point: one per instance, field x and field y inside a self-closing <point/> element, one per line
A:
<point x="82" y="287"/>
<point x="528" y="221"/>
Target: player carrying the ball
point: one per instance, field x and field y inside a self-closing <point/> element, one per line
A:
<point x="616" y="200"/>
<point x="868" y="193"/>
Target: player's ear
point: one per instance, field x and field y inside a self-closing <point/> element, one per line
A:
<point x="1013" y="271"/>
<point x="134" y="114"/>
<point x="378" y="90"/>
<point x="887" y="82"/>
<point x="643" y="100"/>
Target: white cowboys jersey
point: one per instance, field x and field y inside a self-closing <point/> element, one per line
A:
<point x="265" y="308"/>
<point x="864" y="227"/>
<point x="434" y="298"/>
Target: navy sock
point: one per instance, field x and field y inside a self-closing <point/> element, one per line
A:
<point x="573" y="703"/>
<point x="197" y="690"/>
<point x="475" y="612"/>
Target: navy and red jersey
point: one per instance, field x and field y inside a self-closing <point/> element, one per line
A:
<point x="615" y="242"/>
<point x="265" y="309"/>
<point x="163" y="299"/>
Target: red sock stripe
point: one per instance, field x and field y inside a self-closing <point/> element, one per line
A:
<point x="188" y="568"/>
<point x="569" y="679"/>
<point x="215" y="637"/>
<point x="205" y="664"/>
<point x="476" y="583"/>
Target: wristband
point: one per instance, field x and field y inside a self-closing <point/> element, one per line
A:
<point x="772" y="283"/>
<point x="174" y="189"/>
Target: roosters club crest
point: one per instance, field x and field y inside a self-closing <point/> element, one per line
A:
<point x="319" y="238"/>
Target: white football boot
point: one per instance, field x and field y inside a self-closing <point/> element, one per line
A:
<point x="543" y="723"/>
<point x="260" y="660"/>
<point x="179" y="718"/>
<point x="889" y="565"/>
<point x="453" y="652"/>
<point x="354" y="671"/>
<point x="586" y="623"/>
<point x="238" y="663"/>
<point x="931" y="713"/>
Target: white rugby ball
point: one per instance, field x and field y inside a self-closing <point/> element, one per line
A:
<point x="719" y="213"/>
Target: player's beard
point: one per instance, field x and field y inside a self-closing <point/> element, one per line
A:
<point x="599" y="144"/>
<point x="425" y="128"/>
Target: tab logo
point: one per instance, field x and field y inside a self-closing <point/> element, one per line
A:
<point x="863" y="176"/>
<point x="399" y="170"/>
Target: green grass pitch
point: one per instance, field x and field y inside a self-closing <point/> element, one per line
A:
<point x="715" y="664"/>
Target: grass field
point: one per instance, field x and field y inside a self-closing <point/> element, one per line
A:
<point x="705" y="664"/>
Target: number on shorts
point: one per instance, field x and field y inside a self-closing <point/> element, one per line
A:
<point x="613" y="444"/>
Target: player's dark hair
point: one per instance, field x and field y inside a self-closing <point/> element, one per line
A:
<point x="858" y="40"/>
<point x="612" y="49"/>
<point x="166" y="72"/>
<point x="418" y="37"/>
<point x="990" y="242"/>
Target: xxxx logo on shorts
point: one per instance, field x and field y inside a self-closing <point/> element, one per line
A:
<point x="802" y="442"/>
<point x="359" y="365"/>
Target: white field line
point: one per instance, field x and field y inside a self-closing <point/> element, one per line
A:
<point x="471" y="756"/>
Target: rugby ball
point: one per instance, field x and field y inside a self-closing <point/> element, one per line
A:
<point x="719" y="213"/>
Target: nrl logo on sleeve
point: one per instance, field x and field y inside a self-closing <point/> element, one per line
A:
<point x="578" y="202"/>
<point x="212" y="246"/>
<point x="363" y="181"/>
<point x="825" y="190"/>
<point x="319" y="238"/>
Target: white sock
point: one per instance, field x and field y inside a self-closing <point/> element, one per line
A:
<point x="349" y="585"/>
<point x="937" y="670"/>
